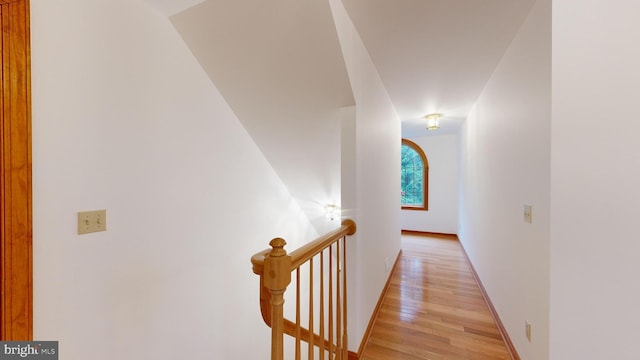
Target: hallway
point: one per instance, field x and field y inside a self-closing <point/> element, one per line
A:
<point x="434" y="308"/>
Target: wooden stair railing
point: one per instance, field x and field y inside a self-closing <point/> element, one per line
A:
<point x="275" y="268"/>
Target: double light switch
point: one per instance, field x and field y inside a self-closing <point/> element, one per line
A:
<point x="92" y="221"/>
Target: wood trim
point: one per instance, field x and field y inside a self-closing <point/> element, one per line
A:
<point x="352" y="356"/>
<point x="413" y="208"/>
<point x="16" y="277"/>
<point x="425" y="190"/>
<point x="430" y="234"/>
<point x="374" y="315"/>
<point x="307" y="251"/>
<point x="274" y="266"/>
<point x="503" y="332"/>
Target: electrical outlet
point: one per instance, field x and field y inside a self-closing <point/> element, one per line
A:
<point x="92" y="221"/>
<point x="386" y="265"/>
<point x="528" y="214"/>
<point x="527" y="330"/>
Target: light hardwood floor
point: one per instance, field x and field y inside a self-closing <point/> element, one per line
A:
<point x="434" y="308"/>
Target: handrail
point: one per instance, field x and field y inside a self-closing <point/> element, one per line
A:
<point x="274" y="266"/>
<point x="307" y="251"/>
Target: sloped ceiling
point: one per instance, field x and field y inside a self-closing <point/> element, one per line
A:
<point x="435" y="56"/>
<point x="172" y="7"/>
<point x="279" y="65"/>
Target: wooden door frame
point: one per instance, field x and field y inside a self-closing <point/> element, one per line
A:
<point x="16" y="229"/>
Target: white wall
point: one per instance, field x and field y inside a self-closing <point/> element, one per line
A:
<point x="505" y="163"/>
<point x="377" y="157"/>
<point x="124" y="119"/>
<point x="442" y="216"/>
<point x="285" y="86"/>
<point x="595" y="172"/>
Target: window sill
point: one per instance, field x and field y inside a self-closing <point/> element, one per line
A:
<point x="422" y="208"/>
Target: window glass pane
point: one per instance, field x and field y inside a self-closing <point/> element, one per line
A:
<point x="412" y="177"/>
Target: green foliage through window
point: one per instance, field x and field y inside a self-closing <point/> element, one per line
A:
<point x="414" y="176"/>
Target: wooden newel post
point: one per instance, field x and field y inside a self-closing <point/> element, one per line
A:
<point x="277" y="276"/>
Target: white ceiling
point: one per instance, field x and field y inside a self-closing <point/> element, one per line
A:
<point x="279" y="65"/>
<point x="435" y="56"/>
<point x="432" y="55"/>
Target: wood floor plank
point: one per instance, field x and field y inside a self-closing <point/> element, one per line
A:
<point x="434" y="308"/>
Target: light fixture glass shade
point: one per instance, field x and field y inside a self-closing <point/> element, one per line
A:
<point x="433" y="121"/>
<point x="332" y="211"/>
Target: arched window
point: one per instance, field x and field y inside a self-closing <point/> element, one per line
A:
<point x="415" y="177"/>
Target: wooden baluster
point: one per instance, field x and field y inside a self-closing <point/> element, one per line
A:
<point x="338" y="304"/>
<point x="345" y="339"/>
<point x="331" y="349"/>
<point x="311" y="332"/>
<point x="275" y="266"/>
<point x="277" y="272"/>
<point x="298" y="314"/>
<point x="322" y="347"/>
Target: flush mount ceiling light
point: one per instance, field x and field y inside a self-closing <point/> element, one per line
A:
<point x="433" y="121"/>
